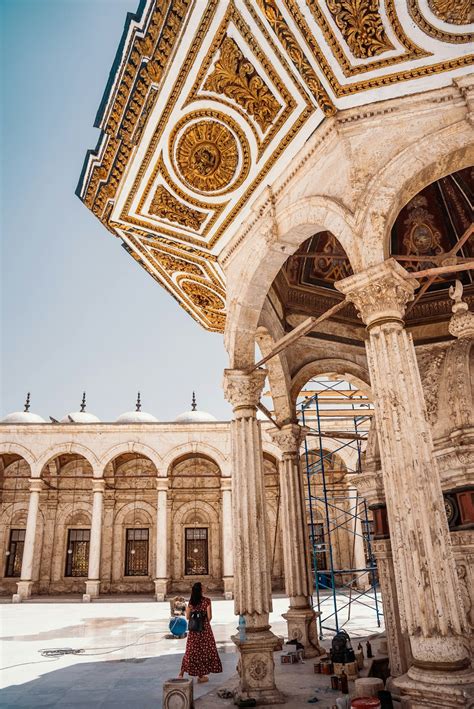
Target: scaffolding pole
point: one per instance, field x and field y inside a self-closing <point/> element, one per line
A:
<point x="336" y="588"/>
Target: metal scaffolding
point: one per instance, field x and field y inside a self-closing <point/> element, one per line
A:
<point x="337" y="410"/>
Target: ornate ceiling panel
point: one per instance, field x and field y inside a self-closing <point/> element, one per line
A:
<point x="209" y="99"/>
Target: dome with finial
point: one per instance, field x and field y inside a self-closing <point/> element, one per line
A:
<point x="25" y="416"/>
<point x="195" y="416"/>
<point x="81" y="416"/>
<point x="137" y="416"/>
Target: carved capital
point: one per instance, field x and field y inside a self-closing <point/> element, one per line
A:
<point x="461" y="324"/>
<point x="289" y="438"/>
<point x="380" y="293"/>
<point x="98" y="485"/>
<point x="36" y="484"/>
<point x="243" y="390"/>
<point x="369" y="485"/>
<point x="162" y="484"/>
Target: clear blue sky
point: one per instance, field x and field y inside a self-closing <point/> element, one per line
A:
<point x="77" y="312"/>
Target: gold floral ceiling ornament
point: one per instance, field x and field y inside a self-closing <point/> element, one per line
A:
<point x="361" y="26"/>
<point x="236" y="77"/>
<point x="166" y="206"/>
<point x="207" y="154"/>
<point x="456" y="12"/>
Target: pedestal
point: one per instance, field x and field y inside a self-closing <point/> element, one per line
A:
<point x="228" y="587"/>
<point x="256" y="668"/>
<point x="24" y="589"/>
<point x="92" y="591"/>
<point x="178" y="693"/>
<point x="302" y="627"/>
<point x="161" y="589"/>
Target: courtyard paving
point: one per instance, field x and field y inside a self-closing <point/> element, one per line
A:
<point x="125" y="655"/>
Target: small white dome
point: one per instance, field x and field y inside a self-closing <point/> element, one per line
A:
<point x="136" y="417"/>
<point x="80" y="417"/>
<point x="195" y="417"/>
<point x="22" y="417"/>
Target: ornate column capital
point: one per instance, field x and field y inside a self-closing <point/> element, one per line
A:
<point x="243" y="390"/>
<point x="289" y="438"/>
<point x="36" y="484"/>
<point x="98" y="485"/>
<point x="162" y="484"/>
<point x="461" y="324"/>
<point x="369" y="485"/>
<point x="380" y="293"/>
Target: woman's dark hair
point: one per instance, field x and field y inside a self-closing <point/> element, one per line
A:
<point x="196" y="594"/>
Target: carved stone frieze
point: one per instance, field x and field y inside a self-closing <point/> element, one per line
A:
<point x="234" y="76"/>
<point x="361" y="26"/>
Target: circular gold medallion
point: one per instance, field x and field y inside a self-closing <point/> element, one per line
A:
<point x="207" y="156"/>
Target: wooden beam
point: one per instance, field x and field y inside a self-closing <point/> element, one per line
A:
<point x="267" y="413"/>
<point x="421" y="292"/>
<point x="469" y="266"/>
<point x="299" y="331"/>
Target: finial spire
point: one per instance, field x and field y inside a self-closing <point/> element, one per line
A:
<point x="139" y="403"/>
<point x="83" y="402"/>
<point x="193" y="403"/>
<point x="27" y="402"/>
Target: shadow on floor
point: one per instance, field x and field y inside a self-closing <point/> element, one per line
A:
<point x="134" y="683"/>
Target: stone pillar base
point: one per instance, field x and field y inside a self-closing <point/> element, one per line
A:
<point x="178" y="693"/>
<point x="161" y="589"/>
<point x="423" y="689"/>
<point x="228" y="587"/>
<point x="302" y="627"/>
<point x="256" y="668"/>
<point x="23" y="592"/>
<point x="92" y="591"/>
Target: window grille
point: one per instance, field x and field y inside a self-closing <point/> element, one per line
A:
<point x="77" y="552"/>
<point x="136" y="552"/>
<point x="14" y="558"/>
<point x="196" y="552"/>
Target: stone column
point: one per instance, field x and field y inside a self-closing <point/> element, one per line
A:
<point x="427" y="584"/>
<point x="252" y="583"/>
<point x="93" y="581"/>
<point x="300" y="616"/>
<point x="161" y="580"/>
<point x="227" y="538"/>
<point x="25" y="584"/>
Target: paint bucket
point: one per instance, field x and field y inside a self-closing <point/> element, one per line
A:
<point x="366" y="703"/>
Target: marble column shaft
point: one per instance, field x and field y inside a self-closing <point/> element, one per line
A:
<point x="161" y="580"/>
<point x="430" y="601"/>
<point x="298" y="577"/>
<point x="98" y="487"/>
<point x="30" y="533"/>
<point x="227" y="537"/>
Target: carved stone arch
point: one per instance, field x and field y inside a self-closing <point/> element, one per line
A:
<point x="23" y="452"/>
<point x="122" y="512"/>
<point x="64" y="448"/>
<point x="351" y="371"/>
<point x="253" y="270"/>
<point x="415" y="167"/>
<point x="195" y="449"/>
<point x="183" y="516"/>
<point x="131" y="447"/>
<point x="269" y="448"/>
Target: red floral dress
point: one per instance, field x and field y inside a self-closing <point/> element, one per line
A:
<point x="201" y="656"/>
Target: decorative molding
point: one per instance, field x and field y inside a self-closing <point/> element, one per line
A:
<point x="236" y="77"/>
<point x="435" y="32"/>
<point x="456" y="12"/>
<point x="361" y="26"/>
<point x="166" y="206"/>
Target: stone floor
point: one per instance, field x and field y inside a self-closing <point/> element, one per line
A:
<point x="126" y="655"/>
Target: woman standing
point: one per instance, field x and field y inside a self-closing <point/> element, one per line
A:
<point x="201" y="656"/>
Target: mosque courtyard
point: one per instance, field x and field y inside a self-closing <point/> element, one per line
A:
<point x="126" y="656"/>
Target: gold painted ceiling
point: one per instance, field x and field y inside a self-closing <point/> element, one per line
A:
<point x="209" y="99"/>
